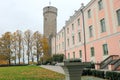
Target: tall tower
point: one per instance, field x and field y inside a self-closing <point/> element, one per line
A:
<point x="50" y="21"/>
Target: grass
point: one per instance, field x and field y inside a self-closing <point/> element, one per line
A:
<point x="33" y="73"/>
<point x="28" y="73"/>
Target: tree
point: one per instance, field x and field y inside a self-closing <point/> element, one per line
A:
<point x="38" y="45"/>
<point x="45" y="49"/>
<point x="6" y="46"/>
<point x="45" y="45"/>
<point x="19" y="43"/>
<point x="27" y="39"/>
<point x="14" y="46"/>
<point x="23" y="50"/>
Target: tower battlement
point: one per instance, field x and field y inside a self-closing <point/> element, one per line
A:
<point x="49" y="9"/>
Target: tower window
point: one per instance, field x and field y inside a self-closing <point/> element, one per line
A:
<point x="45" y="19"/>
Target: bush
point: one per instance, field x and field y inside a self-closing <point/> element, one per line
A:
<point x="112" y="75"/>
<point x="46" y="60"/>
<point x="86" y="72"/>
<point x="96" y="73"/>
<point x="72" y="60"/>
<point x="91" y="65"/>
<point x="58" y="57"/>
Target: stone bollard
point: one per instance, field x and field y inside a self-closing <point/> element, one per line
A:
<point x="73" y="69"/>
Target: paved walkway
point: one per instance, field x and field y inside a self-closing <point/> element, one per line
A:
<point x="53" y="68"/>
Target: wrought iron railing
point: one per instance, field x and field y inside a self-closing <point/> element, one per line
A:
<point x="116" y="64"/>
<point x="104" y="64"/>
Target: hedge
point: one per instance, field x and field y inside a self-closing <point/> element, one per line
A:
<point x="110" y="75"/>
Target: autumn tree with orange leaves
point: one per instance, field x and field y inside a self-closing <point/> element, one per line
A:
<point x="17" y="47"/>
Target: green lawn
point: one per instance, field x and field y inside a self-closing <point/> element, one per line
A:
<point x="28" y="73"/>
<point x="33" y="73"/>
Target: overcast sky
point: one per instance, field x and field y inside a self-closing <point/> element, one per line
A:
<point x="28" y="14"/>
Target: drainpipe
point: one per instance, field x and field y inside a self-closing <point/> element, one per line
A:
<point x="55" y="43"/>
<point x="84" y="31"/>
<point x="64" y="41"/>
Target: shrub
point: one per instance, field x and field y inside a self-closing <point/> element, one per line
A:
<point x="96" y="73"/>
<point x="46" y="60"/>
<point x="112" y="75"/>
<point x="58" y="57"/>
<point x="86" y="72"/>
<point x="91" y="65"/>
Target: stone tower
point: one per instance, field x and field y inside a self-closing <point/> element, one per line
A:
<point x="50" y="21"/>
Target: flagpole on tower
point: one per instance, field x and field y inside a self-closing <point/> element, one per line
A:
<point x="49" y="2"/>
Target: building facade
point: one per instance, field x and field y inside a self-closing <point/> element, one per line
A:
<point x="92" y="33"/>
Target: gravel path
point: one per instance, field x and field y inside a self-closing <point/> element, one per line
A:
<point x="53" y="68"/>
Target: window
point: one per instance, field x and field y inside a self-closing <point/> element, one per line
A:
<point x="92" y="51"/>
<point x="72" y="26"/>
<point x="78" y="21"/>
<point x="105" y="49"/>
<point x="59" y="46"/>
<point x="80" y="53"/>
<point x="73" y="55"/>
<point x="62" y="34"/>
<point x="79" y="37"/>
<point x="45" y="19"/>
<point x="73" y="39"/>
<point x="68" y="55"/>
<point x="63" y="45"/>
<point x="118" y="16"/>
<point x="68" y="30"/>
<point x="59" y="36"/>
<point x="89" y="13"/>
<point x="68" y="42"/>
<point x="91" y="31"/>
<point x="100" y="4"/>
<point x="103" y="28"/>
<point x="119" y="43"/>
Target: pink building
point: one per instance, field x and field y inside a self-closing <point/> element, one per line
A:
<point x="92" y="33"/>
